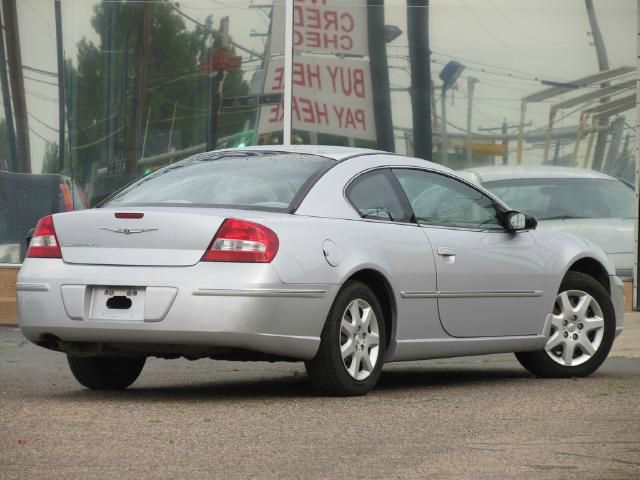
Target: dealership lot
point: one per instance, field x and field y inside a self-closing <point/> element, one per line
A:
<point x="479" y="417"/>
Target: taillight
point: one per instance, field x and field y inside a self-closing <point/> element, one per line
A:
<point x="44" y="243"/>
<point x="242" y="241"/>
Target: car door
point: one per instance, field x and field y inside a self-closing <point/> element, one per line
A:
<point x="395" y="242"/>
<point x="489" y="280"/>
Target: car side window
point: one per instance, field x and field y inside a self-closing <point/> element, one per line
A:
<point x="440" y="200"/>
<point x="374" y="197"/>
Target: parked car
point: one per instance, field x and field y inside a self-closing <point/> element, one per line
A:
<point x="586" y="203"/>
<point x="345" y="259"/>
<point x="25" y="198"/>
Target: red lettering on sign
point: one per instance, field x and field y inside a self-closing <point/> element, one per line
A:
<point x="347" y="23"/>
<point x="313" y="40"/>
<point x="330" y="41"/>
<point x="349" y="81"/>
<point x="307" y="111"/>
<point x="358" y="82"/>
<point x="359" y="114"/>
<point x="298" y="16"/>
<point x="348" y="118"/>
<point x="275" y="114"/>
<point x="312" y="18"/>
<point x="278" y="80"/>
<point x="330" y="20"/>
<point x="314" y="80"/>
<point x="321" y="113"/>
<point x="346" y="42"/>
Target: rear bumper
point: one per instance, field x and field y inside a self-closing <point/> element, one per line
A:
<point x="242" y="306"/>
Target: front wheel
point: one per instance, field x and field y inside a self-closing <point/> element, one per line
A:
<point x="583" y="328"/>
<point x="352" y="344"/>
<point x="105" y="373"/>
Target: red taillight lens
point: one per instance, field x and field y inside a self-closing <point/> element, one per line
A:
<point x="44" y="243"/>
<point x="242" y="241"/>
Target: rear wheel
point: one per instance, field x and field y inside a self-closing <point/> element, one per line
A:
<point x="349" y="360"/>
<point x="105" y="373"/>
<point x="582" y="331"/>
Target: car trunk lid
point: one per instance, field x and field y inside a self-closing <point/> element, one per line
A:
<point x="161" y="236"/>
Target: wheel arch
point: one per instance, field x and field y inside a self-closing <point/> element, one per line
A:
<point x="383" y="291"/>
<point x="595" y="269"/>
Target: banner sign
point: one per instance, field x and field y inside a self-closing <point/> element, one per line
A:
<point x="323" y="26"/>
<point x="330" y="95"/>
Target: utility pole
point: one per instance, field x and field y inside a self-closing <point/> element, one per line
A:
<point x="617" y="130"/>
<point x="141" y="67"/>
<point x="109" y="48"/>
<point x="380" y="76"/>
<point x="14" y="60"/>
<point x="471" y="82"/>
<point x="603" y="64"/>
<point x="61" y="85"/>
<point x="216" y="82"/>
<point x="6" y="100"/>
<point x="444" y="140"/>
<point x="505" y="143"/>
<point x="420" y="58"/>
<point x="505" y="140"/>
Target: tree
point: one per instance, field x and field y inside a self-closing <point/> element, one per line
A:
<point x="50" y="158"/>
<point x="101" y="87"/>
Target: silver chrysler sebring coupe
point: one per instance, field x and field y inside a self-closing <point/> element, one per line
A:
<point x="343" y="258"/>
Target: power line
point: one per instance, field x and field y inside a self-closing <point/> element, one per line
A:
<point x="39" y="81"/>
<point x="99" y="140"/>
<point x="38" y="135"/>
<point x="43" y="123"/>
<point x="213" y="32"/>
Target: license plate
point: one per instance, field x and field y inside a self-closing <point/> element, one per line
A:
<point x="117" y="304"/>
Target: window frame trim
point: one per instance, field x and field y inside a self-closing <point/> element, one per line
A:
<point x="395" y="186"/>
<point x="500" y="207"/>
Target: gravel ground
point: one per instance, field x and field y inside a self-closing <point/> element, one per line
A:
<point x="476" y="418"/>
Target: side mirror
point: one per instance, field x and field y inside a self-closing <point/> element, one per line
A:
<point x="518" y="221"/>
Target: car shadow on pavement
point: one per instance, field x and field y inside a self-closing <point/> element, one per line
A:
<point x="394" y="380"/>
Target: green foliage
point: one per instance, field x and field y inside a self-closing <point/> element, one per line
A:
<point x="50" y="158"/>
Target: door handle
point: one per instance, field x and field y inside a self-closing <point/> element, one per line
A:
<point x="446" y="252"/>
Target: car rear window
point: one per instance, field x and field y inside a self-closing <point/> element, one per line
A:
<point x="257" y="180"/>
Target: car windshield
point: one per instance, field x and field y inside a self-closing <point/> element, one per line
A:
<point x="260" y="180"/>
<point x="551" y="198"/>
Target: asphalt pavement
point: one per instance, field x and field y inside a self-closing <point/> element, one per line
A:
<point x="464" y="418"/>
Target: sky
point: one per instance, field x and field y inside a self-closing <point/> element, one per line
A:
<point x="515" y="42"/>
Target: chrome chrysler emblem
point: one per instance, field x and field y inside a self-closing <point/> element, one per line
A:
<point x="128" y="231"/>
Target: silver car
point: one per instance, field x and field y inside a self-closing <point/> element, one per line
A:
<point x="586" y="203"/>
<point x="343" y="258"/>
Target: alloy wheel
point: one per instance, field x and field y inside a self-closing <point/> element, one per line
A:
<point x="577" y="328"/>
<point x="359" y="339"/>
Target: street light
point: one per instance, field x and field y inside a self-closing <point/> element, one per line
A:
<point x="391" y="32"/>
<point x="449" y="74"/>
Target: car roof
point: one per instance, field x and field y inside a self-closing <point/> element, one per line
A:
<point x="333" y="152"/>
<point x="511" y="172"/>
<point x="342" y="153"/>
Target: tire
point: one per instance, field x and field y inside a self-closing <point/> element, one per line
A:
<point x="551" y="362"/>
<point x="329" y="373"/>
<point x="105" y="373"/>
